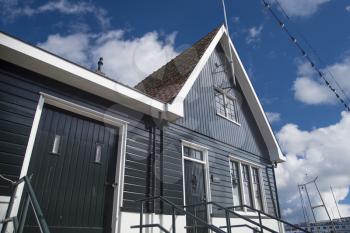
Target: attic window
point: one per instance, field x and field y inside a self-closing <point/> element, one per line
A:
<point x="226" y="106"/>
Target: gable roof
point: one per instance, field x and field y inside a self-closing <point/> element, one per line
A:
<point x="158" y="84"/>
<point x="165" y="83"/>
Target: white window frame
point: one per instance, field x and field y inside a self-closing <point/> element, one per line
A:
<point x="227" y="96"/>
<point x="261" y="186"/>
<point x="205" y="162"/>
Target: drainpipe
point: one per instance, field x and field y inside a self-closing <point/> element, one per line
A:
<point x="276" y="192"/>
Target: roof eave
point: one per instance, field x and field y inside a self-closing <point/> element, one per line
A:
<point x="37" y="60"/>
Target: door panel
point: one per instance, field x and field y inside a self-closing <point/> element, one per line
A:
<point x="195" y="192"/>
<point x="74" y="186"/>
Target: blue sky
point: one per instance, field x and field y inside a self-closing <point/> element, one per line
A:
<point x="308" y="121"/>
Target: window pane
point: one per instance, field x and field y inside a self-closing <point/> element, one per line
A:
<point x="220" y="103"/>
<point x="257" y="189"/>
<point x="98" y="153"/>
<point x="247" y="186"/>
<point x="231" y="109"/>
<point x="193" y="153"/>
<point x="236" y="184"/>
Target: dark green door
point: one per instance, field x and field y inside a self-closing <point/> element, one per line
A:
<point x="73" y="165"/>
<point x="195" y="193"/>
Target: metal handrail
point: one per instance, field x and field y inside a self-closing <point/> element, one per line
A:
<point x="241" y="225"/>
<point x="227" y="214"/>
<point x="31" y="198"/>
<point x="270" y="216"/>
<point x="175" y="208"/>
<point x="152" y="225"/>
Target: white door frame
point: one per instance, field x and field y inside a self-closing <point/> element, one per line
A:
<point x="92" y="114"/>
<point x="205" y="162"/>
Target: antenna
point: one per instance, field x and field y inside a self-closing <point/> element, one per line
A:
<point x="336" y="203"/>
<point x="323" y="205"/>
<point x="228" y="42"/>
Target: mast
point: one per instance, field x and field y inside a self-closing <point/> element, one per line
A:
<point x="336" y="203"/>
<point x="228" y="43"/>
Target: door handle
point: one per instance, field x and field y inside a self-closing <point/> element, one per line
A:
<point x="113" y="185"/>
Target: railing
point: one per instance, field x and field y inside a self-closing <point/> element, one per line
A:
<point x="229" y="212"/>
<point x="175" y="209"/>
<point x="29" y="198"/>
<point x="259" y="226"/>
<point x="270" y="216"/>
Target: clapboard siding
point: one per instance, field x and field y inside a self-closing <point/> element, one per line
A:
<point x="218" y="153"/>
<point x="223" y="138"/>
<point x="200" y="110"/>
<point x="19" y="94"/>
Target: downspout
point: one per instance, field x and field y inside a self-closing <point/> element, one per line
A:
<point x="276" y="192"/>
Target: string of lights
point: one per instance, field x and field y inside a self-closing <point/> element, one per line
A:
<point x="313" y="50"/>
<point x="344" y="100"/>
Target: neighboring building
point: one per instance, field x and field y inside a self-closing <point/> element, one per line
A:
<point x="95" y="146"/>
<point x="341" y="225"/>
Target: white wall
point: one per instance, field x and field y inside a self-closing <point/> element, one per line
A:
<point x="129" y="219"/>
<point x="4" y="200"/>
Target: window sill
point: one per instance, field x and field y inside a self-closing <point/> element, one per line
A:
<point x="236" y="123"/>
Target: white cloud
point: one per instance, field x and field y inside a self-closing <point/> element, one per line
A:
<point x="12" y="8"/>
<point x="301" y="8"/>
<point x="254" y="34"/>
<point x="347" y="8"/>
<point x="309" y="89"/>
<point x="322" y="152"/>
<point x="273" y="117"/>
<point x="125" y="60"/>
<point x="73" y="47"/>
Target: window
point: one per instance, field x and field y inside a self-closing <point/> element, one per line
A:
<point x="193" y="153"/>
<point x="247" y="189"/>
<point x="257" y="189"/>
<point x="246" y="185"/>
<point x="236" y="184"/>
<point x="56" y="144"/>
<point x="226" y="106"/>
<point x="98" y="153"/>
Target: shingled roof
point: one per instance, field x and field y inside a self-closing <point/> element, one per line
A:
<point x="165" y="83"/>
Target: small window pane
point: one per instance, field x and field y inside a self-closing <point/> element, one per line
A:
<point x="247" y="186"/>
<point x="231" y="109"/>
<point x="236" y="184"/>
<point x="220" y="103"/>
<point x="56" y="144"/>
<point x="257" y="189"/>
<point x="193" y="153"/>
<point x="98" y="153"/>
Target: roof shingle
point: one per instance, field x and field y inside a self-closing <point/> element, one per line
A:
<point x="165" y="83"/>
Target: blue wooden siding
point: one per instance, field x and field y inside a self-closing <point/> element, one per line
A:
<point x="19" y="95"/>
<point x="200" y="110"/>
<point x="222" y="137"/>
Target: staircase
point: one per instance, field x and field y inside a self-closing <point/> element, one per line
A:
<point x="28" y="197"/>
<point x="229" y="213"/>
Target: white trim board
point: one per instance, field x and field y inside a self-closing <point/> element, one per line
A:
<point x="40" y="61"/>
<point x="92" y="114"/>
